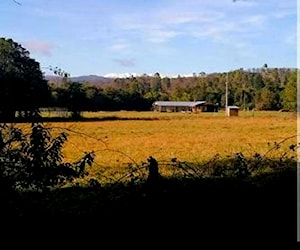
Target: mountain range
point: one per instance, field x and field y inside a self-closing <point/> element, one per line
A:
<point x="81" y="79"/>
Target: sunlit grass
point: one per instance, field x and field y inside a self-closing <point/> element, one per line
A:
<point x="187" y="137"/>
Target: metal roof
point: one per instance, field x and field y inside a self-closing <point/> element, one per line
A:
<point x="178" y="104"/>
<point x="233" y="107"/>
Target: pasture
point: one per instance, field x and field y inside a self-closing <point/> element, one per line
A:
<point x="122" y="138"/>
<point x="245" y="200"/>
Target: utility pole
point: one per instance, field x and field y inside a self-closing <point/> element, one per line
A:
<point x="226" y="94"/>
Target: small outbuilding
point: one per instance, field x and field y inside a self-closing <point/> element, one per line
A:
<point x="232" y="111"/>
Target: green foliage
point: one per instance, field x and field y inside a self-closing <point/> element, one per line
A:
<point x="59" y="72"/>
<point x="289" y="94"/>
<point x="156" y="85"/>
<point x="263" y="89"/>
<point x="35" y="161"/>
<point x="75" y="99"/>
<point x="266" y="100"/>
<point x="22" y="87"/>
<point x="24" y="90"/>
<point x="71" y="96"/>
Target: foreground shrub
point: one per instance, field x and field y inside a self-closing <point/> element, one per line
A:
<point x="35" y="161"/>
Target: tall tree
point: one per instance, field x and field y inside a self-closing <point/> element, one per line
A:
<point x="76" y="100"/>
<point x="267" y="99"/>
<point x="289" y="94"/>
<point x="166" y="83"/>
<point x="22" y="84"/>
<point x="156" y="85"/>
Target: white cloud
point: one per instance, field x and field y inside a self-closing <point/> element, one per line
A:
<point x="235" y="25"/>
<point x="125" y="31"/>
<point x="164" y="25"/>
<point x="189" y="17"/>
<point x="291" y="39"/>
<point x="119" y="47"/>
<point x="160" y="35"/>
<point x="282" y="14"/>
<point x="181" y="19"/>
<point x="124" y="62"/>
<point x="256" y="20"/>
<point x="39" y="47"/>
<point x="209" y="32"/>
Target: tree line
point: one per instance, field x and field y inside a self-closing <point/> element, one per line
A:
<point x="260" y="89"/>
<point x="24" y="90"/>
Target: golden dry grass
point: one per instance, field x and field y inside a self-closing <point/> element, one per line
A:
<point x="188" y="137"/>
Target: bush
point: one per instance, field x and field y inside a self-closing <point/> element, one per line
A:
<point x="35" y="161"/>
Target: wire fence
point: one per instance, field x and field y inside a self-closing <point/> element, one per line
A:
<point x="122" y="152"/>
<point x="114" y="165"/>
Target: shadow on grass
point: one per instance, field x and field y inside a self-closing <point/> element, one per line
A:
<point x="260" y="208"/>
<point x="82" y="119"/>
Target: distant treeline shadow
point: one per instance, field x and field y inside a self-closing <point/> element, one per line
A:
<point x="71" y="119"/>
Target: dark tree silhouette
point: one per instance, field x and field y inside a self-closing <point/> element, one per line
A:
<point x="23" y="87"/>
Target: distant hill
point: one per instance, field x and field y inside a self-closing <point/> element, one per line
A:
<point x="94" y="79"/>
<point x="90" y="79"/>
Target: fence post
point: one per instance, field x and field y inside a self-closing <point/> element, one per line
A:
<point x="153" y="170"/>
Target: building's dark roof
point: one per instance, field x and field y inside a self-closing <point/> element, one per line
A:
<point x="177" y="104"/>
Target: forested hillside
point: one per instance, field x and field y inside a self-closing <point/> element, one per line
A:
<point x="259" y="88"/>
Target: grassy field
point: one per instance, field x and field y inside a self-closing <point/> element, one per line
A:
<point x="119" y="138"/>
<point x="232" y="197"/>
<point x="261" y="198"/>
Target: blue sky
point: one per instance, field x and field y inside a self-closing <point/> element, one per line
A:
<point x="172" y="37"/>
